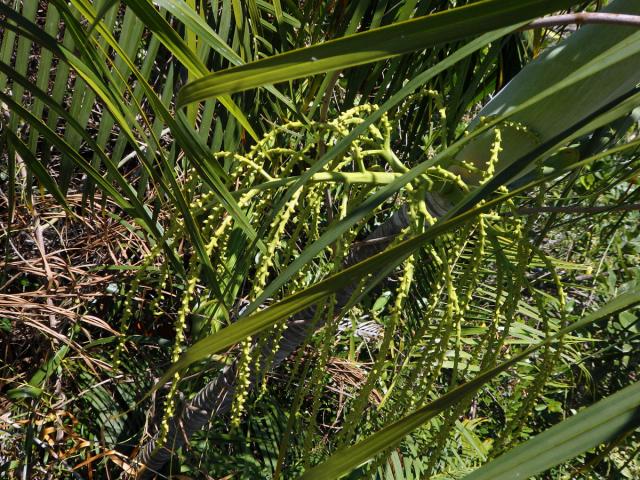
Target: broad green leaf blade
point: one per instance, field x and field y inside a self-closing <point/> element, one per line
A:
<point x="277" y="7"/>
<point x="371" y="46"/>
<point x="347" y="459"/>
<point x="102" y="12"/>
<point x="525" y="163"/>
<point x="598" y="423"/>
<point x="614" y="47"/>
<point x="196" y="24"/>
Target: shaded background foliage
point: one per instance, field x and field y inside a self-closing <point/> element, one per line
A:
<point x="92" y="303"/>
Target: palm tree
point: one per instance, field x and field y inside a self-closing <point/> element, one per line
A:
<point x="283" y="212"/>
<point x="556" y="110"/>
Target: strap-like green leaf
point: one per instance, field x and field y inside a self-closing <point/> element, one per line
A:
<point x="347" y="459"/>
<point x="594" y="425"/>
<point x="190" y="142"/>
<point x="371" y="46"/>
<point x="159" y="26"/>
<point x="197" y="24"/>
